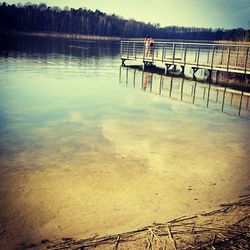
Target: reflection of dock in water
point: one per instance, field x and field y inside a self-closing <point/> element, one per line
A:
<point x="205" y="95"/>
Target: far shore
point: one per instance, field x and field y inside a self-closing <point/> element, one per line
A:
<point x="105" y="38"/>
<point x="61" y="35"/>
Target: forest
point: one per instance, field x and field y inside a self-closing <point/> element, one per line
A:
<point x="42" y="18"/>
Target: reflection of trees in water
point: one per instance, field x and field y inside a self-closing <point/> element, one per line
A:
<point x="42" y="46"/>
<point x="206" y="95"/>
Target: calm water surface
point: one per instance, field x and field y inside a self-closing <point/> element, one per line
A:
<point x="88" y="147"/>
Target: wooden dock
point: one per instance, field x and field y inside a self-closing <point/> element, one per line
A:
<point x="210" y="56"/>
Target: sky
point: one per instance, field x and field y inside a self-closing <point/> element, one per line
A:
<point x="188" y="13"/>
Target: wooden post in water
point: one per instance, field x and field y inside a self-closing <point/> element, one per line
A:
<point x="217" y="76"/>
<point x="171" y="85"/>
<point x="127" y="76"/>
<point x="204" y="92"/>
<point x="223" y="99"/>
<point x="151" y="83"/>
<point x="134" y="77"/>
<point x="182" y="83"/>
<point x="231" y="102"/>
<point x="240" y="102"/>
<point x="194" y="91"/>
<point x="142" y="80"/>
<point x="217" y="94"/>
<point x="208" y="93"/>
<point x="160" y="88"/>
<point x="120" y="74"/>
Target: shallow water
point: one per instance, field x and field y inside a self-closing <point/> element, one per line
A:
<point x="90" y="148"/>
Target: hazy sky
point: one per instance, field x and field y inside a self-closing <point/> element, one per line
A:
<point x="198" y="13"/>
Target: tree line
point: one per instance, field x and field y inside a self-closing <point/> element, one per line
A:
<point x="42" y="18"/>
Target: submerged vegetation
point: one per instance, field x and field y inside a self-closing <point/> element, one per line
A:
<point x="42" y="18"/>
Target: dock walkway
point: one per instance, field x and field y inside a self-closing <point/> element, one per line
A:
<point x="210" y="56"/>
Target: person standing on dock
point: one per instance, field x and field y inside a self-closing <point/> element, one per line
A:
<point x="147" y="46"/>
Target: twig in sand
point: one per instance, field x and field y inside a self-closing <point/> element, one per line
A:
<point x="117" y="243"/>
<point x="248" y="216"/>
<point x="221" y="210"/>
<point x="193" y="227"/>
<point x="164" y="245"/>
<point x="183" y="218"/>
<point x="150" y="243"/>
<point x="244" y="195"/>
<point x="214" y="238"/>
<point x="171" y="238"/>
<point x="154" y="233"/>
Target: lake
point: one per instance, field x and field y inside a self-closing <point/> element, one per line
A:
<point x="89" y="147"/>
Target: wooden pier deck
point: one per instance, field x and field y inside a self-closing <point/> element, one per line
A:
<point x="213" y="57"/>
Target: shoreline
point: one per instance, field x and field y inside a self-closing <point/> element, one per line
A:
<point x="227" y="226"/>
<point x="60" y="35"/>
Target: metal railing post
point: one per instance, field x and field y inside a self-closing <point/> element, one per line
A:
<point x="134" y="49"/>
<point x="228" y="58"/>
<point x="173" y="53"/>
<point x="121" y="48"/>
<point x="153" y="53"/>
<point x="212" y="60"/>
<point x="246" y="60"/>
<point x="185" y="54"/>
<point x="237" y="56"/>
<point x="163" y="52"/>
<point x="143" y="52"/>
<point x="198" y="56"/>
<point x="128" y="50"/>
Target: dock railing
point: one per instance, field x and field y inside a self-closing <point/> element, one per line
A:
<point x="212" y="56"/>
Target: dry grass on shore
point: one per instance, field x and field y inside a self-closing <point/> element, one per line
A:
<point x="225" y="228"/>
<point x="244" y="43"/>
